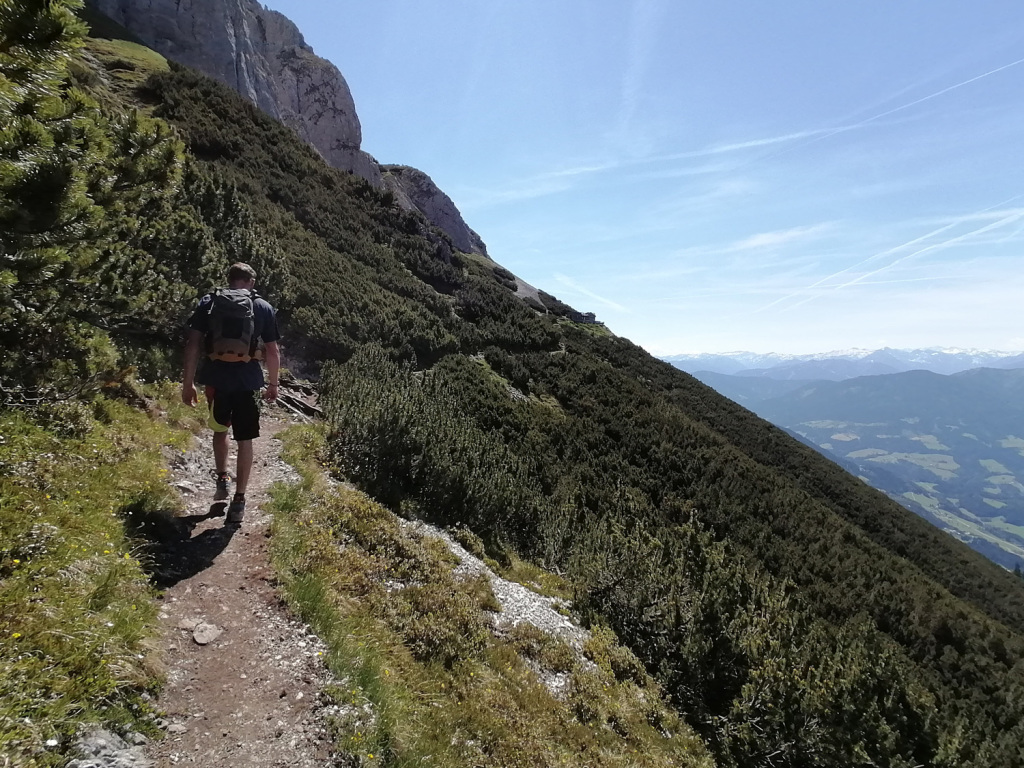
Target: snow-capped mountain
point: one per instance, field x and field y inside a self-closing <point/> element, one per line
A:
<point x="845" y="364"/>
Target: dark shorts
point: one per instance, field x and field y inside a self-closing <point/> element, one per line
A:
<point x="239" y="410"/>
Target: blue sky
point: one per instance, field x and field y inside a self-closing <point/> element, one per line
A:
<point x="716" y="176"/>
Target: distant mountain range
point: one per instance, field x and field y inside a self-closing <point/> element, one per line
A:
<point x="948" y="447"/>
<point x="845" y="364"/>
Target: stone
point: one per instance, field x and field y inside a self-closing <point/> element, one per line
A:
<point x="205" y="634"/>
<point x="263" y="56"/>
<point x="103" y="749"/>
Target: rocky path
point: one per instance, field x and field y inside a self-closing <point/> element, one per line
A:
<point x="244" y="678"/>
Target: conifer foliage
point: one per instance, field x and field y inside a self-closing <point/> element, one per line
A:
<point x="744" y="572"/>
<point x="80" y="192"/>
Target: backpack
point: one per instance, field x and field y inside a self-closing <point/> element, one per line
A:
<point x="231" y="331"/>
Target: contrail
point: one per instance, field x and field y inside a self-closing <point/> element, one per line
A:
<point x="868" y="260"/>
<point x="1016" y="216"/>
<point x="569" y="282"/>
<point x="895" y="249"/>
<point x="829" y="133"/>
<point x="940" y="93"/>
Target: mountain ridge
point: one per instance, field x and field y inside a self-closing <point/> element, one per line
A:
<point x="843" y="364"/>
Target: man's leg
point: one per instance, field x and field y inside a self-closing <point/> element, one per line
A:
<point x="220" y="451"/>
<point x="246" y="428"/>
<point x="220" y="419"/>
<point x="244" y="466"/>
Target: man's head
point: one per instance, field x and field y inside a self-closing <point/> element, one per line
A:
<point x="241" y="276"/>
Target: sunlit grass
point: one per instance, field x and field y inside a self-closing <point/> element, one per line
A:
<point x="76" y="609"/>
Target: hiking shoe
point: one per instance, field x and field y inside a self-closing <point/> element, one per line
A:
<point x="221" y="494"/>
<point x="236" y="510"/>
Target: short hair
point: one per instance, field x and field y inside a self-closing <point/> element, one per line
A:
<point x="241" y="272"/>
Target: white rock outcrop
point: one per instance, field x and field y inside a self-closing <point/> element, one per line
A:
<point x="262" y="55"/>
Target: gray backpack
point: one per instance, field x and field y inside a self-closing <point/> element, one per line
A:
<point x="231" y="331"/>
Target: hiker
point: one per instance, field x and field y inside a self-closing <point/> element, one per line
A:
<point x="237" y="328"/>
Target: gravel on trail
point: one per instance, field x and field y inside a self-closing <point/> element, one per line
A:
<point x="243" y="677"/>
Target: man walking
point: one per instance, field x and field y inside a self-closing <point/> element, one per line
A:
<point x="236" y="328"/>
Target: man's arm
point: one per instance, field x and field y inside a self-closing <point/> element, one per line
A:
<point x="188" y="381"/>
<point x="272" y="356"/>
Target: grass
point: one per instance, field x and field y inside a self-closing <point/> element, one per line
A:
<point x="1002" y="524"/>
<point x="422" y="680"/>
<point x="76" y="608"/>
<point x="931" y="442"/>
<point x="127" y="57"/>
<point x="994" y="467"/>
<point x="968" y="523"/>
<point x="945" y="467"/>
<point x="125" y="66"/>
<point x="533" y="577"/>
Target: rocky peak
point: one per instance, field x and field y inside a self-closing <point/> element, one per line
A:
<point x="415" y="190"/>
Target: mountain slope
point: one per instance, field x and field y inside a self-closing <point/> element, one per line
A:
<point x="613" y="438"/>
<point x="263" y="56"/>
<point x="621" y="450"/>
<point x="794" y="616"/>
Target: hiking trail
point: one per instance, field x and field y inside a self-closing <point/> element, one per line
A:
<point x="244" y="677"/>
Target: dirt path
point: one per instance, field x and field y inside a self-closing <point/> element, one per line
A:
<point x="244" y="678"/>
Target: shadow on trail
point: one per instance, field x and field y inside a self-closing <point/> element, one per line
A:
<point x="170" y="553"/>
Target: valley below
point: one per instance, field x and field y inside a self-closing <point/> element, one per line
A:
<point x="948" y="447"/>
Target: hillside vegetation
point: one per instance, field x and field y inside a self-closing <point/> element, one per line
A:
<point x="793" y="616"/>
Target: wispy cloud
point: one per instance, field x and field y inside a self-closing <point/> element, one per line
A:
<point x="730" y="156"/>
<point x="789" y="141"/>
<point x="997" y="217"/>
<point x="828" y="133"/>
<point x="778" y="238"/>
<point x="1011" y="218"/>
<point x="568" y="282"/>
<point x="541" y="185"/>
<point x="643" y="29"/>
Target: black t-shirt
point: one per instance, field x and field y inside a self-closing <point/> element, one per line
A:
<point x="230" y="376"/>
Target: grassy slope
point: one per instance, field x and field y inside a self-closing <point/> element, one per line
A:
<point x="76" y="609"/>
<point x="421" y="677"/>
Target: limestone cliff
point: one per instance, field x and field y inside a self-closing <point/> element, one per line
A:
<point x="415" y="190"/>
<point x="261" y="54"/>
